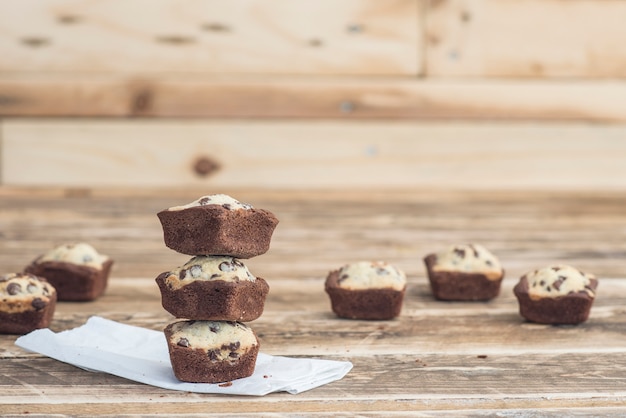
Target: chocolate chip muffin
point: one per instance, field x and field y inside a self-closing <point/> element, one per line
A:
<point x="213" y="288"/>
<point x="77" y="271"/>
<point x="218" y="224"/>
<point x="464" y="273"/>
<point x="557" y="294"/>
<point x="366" y="290"/>
<point x="211" y="351"/>
<point x="27" y="302"/>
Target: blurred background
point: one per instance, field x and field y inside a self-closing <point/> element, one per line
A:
<point x="297" y="94"/>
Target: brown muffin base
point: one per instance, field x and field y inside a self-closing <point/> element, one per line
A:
<point x="371" y="304"/>
<point x="570" y="309"/>
<point x="73" y="282"/>
<point x="458" y="286"/>
<point x="20" y="323"/>
<point x="215" y="300"/>
<point x="213" y="230"/>
<point x="193" y="365"/>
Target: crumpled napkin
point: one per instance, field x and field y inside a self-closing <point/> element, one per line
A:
<point x="141" y="355"/>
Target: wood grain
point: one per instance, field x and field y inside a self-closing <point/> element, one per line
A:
<point x="310" y="97"/>
<point x="210" y="37"/>
<point x="536" y="38"/>
<point x="320" y="231"/>
<point x="310" y="155"/>
<point x="437" y="357"/>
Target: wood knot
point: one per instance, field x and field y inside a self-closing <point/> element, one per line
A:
<point x="205" y="166"/>
<point x="68" y="19"/>
<point x="142" y="101"/>
<point x="215" y="27"/>
<point x="35" y="41"/>
<point x="175" y="39"/>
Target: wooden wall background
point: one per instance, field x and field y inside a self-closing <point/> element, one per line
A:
<point x="488" y="94"/>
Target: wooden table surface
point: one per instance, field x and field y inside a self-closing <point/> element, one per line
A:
<point x="436" y="358"/>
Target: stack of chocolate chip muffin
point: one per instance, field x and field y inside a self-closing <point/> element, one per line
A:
<point x="214" y="293"/>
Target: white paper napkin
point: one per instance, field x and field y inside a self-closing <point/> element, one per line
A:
<point x="141" y="355"/>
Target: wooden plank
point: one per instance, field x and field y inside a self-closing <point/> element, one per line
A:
<point x="380" y="383"/>
<point x="426" y="327"/>
<point x="436" y="358"/>
<point x="437" y="355"/>
<point x="211" y="37"/>
<point x="534" y="38"/>
<point x="301" y="154"/>
<point x="320" y="231"/>
<point x="310" y="97"/>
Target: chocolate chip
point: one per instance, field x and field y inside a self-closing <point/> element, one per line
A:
<point x="342" y="278"/>
<point x="215" y="276"/>
<point x="182" y="275"/>
<point x="14" y="288"/>
<point x="556" y="268"/>
<point x="246" y="205"/>
<point x="204" y="201"/>
<point x="196" y="271"/>
<point x="183" y="342"/>
<point x="476" y="254"/>
<point x="214" y="355"/>
<point x="557" y="284"/>
<point x="237" y="262"/>
<point x="460" y="252"/>
<point x="542" y="283"/>
<point x="226" y="206"/>
<point x="226" y="266"/>
<point x="488" y="262"/>
<point x="233" y="355"/>
<point x="214" y="328"/>
<point x="549" y="289"/>
<point x="38" y="304"/>
<point x="232" y="346"/>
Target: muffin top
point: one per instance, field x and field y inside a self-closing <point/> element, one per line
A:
<point x="559" y="280"/>
<point x="223" y="340"/>
<point x="209" y="267"/>
<point x="80" y="254"/>
<point x="20" y="292"/>
<point x="371" y="275"/>
<point x="468" y="258"/>
<point x="222" y="200"/>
